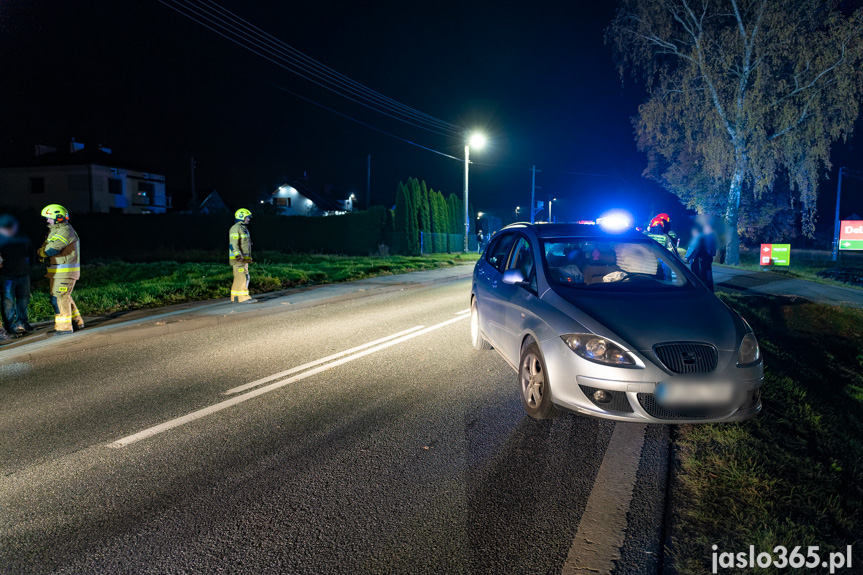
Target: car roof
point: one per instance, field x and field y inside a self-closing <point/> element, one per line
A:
<point x="573" y="230"/>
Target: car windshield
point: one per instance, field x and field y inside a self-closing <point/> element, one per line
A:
<point x="611" y="264"/>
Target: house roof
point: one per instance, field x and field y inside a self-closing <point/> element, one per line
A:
<point x="320" y="197"/>
<point x="323" y="201"/>
<point x="87" y="156"/>
<point x="213" y="204"/>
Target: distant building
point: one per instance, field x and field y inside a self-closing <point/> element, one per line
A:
<point x="83" y="180"/>
<point x="212" y="204"/>
<point x="299" y="199"/>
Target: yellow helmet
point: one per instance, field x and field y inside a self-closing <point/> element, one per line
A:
<point x="242" y="214"/>
<point x="55" y="211"/>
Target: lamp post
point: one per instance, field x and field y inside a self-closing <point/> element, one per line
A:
<point x="549" y="208"/>
<point x="477" y="141"/>
<point x="517" y="208"/>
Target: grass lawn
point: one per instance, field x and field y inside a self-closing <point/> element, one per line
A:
<point x="794" y="475"/>
<point x="119" y="286"/>
<point x="804" y="268"/>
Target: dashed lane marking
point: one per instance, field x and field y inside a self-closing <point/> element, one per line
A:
<point x="311" y="364"/>
<point x="195" y="415"/>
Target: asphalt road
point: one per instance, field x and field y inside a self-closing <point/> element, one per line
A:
<point x="413" y="458"/>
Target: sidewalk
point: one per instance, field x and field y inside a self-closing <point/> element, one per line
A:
<point x="140" y="324"/>
<point x="733" y="280"/>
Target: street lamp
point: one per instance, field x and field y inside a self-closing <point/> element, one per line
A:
<point x="549" y="209"/>
<point x="479" y="215"/>
<point x="517" y="208"/>
<point x="476" y="140"/>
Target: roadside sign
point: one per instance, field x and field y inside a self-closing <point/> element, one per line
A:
<point x="851" y="235"/>
<point x="776" y="254"/>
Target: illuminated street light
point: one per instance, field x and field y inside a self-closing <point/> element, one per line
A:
<point x="549" y="209"/>
<point x="479" y="215"/>
<point x="476" y="140"/>
<point x="517" y="208"/>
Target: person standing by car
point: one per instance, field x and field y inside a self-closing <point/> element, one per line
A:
<point x="240" y="256"/>
<point x="61" y="249"/>
<point x="702" y="250"/>
<point x="15" y="275"/>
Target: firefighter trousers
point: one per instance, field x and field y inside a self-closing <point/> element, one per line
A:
<point x="240" y="287"/>
<point x="65" y="311"/>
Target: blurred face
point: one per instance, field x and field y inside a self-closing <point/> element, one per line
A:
<point x="247" y="219"/>
<point x="9" y="231"/>
<point x="50" y="221"/>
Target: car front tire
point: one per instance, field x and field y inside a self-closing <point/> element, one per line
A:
<point x="479" y="342"/>
<point x="533" y="384"/>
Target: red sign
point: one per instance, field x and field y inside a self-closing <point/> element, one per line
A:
<point x="766" y="252"/>
<point x="851" y="230"/>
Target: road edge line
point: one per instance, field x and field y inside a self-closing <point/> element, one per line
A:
<point x="602" y="528"/>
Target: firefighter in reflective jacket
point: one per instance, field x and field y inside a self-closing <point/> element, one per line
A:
<point x="62" y="251"/>
<point x="240" y="256"/>
<point x="659" y="229"/>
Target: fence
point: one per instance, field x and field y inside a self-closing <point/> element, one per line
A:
<point x="139" y="236"/>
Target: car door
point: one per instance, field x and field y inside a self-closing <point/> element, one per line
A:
<point x="518" y="300"/>
<point x="489" y="274"/>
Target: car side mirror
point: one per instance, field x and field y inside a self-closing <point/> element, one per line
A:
<point x="513" y="277"/>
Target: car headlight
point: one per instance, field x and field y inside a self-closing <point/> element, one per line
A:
<point x="598" y="349"/>
<point x="749" y="353"/>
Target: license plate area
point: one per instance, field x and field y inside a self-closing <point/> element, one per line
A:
<point x="695" y="394"/>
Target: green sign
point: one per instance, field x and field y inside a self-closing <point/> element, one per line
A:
<point x="851" y="235"/>
<point x="775" y="254"/>
<point x="851" y="245"/>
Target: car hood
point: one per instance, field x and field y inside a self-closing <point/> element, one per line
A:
<point x="645" y="319"/>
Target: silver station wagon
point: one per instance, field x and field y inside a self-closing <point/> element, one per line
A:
<point x="613" y="325"/>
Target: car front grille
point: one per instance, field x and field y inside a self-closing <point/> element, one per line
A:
<point x="687" y="357"/>
<point x="652" y="407"/>
<point x="618" y="402"/>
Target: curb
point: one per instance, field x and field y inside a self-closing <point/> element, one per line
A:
<point x="144" y="329"/>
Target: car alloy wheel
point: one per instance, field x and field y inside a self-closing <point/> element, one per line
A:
<point x="532" y="380"/>
<point x="534" y="385"/>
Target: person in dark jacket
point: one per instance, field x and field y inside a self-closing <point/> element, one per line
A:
<point x="702" y="250"/>
<point x="15" y="276"/>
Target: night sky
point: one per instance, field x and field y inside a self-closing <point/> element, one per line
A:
<point x="157" y="87"/>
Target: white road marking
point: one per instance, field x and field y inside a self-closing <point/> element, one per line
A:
<point x="602" y="528"/>
<point x="157" y="429"/>
<point x="311" y="364"/>
<point x="464" y="311"/>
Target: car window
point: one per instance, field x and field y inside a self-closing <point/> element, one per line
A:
<point x="498" y="250"/>
<point x="609" y="264"/>
<point x="522" y="260"/>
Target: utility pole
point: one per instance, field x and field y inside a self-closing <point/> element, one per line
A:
<point x="193" y="201"/>
<point x="466" y="210"/>
<point x="369" y="181"/>
<point x="836" y="220"/>
<point x="534" y="209"/>
<point x="533" y="171"/>
<point x="846" y="173"/>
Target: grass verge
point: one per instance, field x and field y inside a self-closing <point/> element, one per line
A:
<point x="804" y="268"/>
<point x="109" y="287"/>
<point x="794" y="475"/>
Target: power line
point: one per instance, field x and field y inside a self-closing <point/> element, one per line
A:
<point x="310" y="101"/>
<point x="526" y="168"/>
<point x="281" y="65"/>
<point x="309" y="61"/>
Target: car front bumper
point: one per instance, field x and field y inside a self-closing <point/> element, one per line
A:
<point x="632" y="389"/>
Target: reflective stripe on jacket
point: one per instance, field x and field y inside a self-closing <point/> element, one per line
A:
<point x="239" y="243"/>
<point x="63" y="250"/>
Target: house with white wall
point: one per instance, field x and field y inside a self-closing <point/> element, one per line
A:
<point x="84" y="180"/>
<point x="298" y="198"/>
